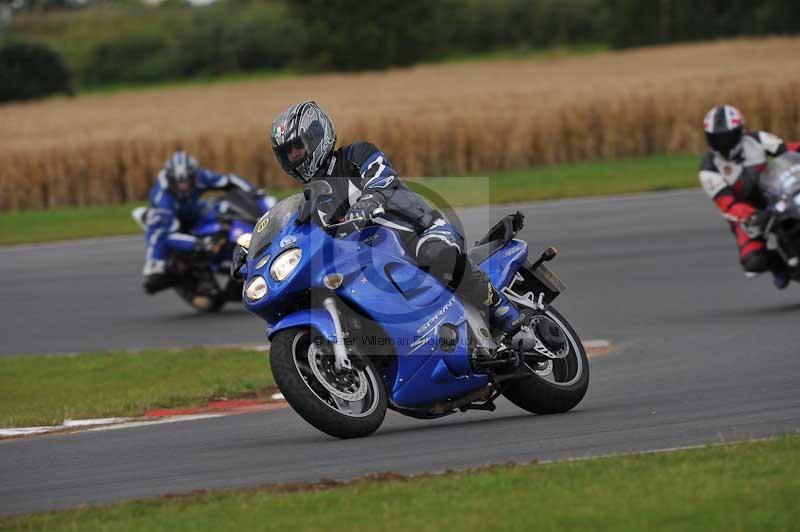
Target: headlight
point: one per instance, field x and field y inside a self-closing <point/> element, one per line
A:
<point x="256" y="289"/>
<point x="285" y="264"/>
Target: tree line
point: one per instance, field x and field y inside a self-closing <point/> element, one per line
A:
<point x="100" y="43"/>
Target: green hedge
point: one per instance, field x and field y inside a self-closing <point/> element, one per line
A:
<point x="31" y="71"/>
<point x="636" y="22"/>
<point x="126" y="41"/>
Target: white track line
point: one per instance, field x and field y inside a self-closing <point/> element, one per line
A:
<point x="91" y="425"/>
<point x="597" y="346"/>
<point x="91" y="422"/>
<point x="24" y="431"/>
<point x="67" y="424"/>
<point x="159" y="421"/>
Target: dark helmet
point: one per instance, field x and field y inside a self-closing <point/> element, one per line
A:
<point x="180" y="171"/>
<point x="305" y="126"/>
<point x="724" y="126"/>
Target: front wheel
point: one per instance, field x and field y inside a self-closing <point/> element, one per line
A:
<point x="346" y="403"/>
<point x="557" y="385"/>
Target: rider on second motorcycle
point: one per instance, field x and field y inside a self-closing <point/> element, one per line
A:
<point x="363" y="180"/>
<point x="175" y="204"/>
<point x="729" y="173"/>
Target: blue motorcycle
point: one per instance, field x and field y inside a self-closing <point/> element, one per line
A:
<point x="356" y="327"/>
<point x="202" y="280"/>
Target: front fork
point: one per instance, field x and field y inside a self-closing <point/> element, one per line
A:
<point x="339" y="347"/>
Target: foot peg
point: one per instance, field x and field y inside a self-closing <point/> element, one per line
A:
<point x="483" y="358"/>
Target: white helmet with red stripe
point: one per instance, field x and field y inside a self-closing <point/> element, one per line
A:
<point x="724" y="127"/>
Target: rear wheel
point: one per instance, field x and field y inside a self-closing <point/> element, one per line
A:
<point x="557" y="385"/>
<point x="200" y="288"/>
<point x="345" y="403"/>
<point x="202" y="302"/>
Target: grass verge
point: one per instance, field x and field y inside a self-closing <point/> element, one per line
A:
<point x="66" y="223"/>
<point x="45" y="390"/>
<point x="743" y="486"/>
<point x="562" y="181"/>
<point x="600" y="178"/>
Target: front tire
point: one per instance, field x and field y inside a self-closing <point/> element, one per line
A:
<point x="557" y="385"/>
<point x="342" y="403"/>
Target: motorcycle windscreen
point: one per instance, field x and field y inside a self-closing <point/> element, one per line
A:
<point x="207" y="224"/>
<point x="781" y="179"/>
<point x="271" y="224"/>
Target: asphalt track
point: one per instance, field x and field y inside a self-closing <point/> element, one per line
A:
<point x="703" y="355"/>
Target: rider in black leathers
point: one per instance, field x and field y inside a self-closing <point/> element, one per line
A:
<point x="363" y="180"/>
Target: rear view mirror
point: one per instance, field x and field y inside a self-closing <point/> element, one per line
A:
<point x="239" y="259"/>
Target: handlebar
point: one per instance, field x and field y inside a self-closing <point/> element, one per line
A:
<point x="379" y="210"/>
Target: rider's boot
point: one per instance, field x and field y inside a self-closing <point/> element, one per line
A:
<point x="504" y="319"/>
<point x="515" y="324"/>
<point x="780" y="278"/>
<point x="780" y="272"/>
<point x="503" y="315"/>
<point x="477" y="288"/>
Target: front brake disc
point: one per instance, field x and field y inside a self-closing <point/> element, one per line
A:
<point x="315" y="356"/>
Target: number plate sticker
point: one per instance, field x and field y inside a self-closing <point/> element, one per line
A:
<point x="549" y="278"/>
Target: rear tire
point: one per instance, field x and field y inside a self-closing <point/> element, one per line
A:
<point x="200" y="288"/>
<point x="542" y="396"/>
<point x="200" y="302"/>
<point x="292" y="353"/>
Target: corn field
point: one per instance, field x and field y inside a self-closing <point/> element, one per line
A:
<point x="430" y="120"/>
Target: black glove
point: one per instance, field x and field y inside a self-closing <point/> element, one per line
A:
<point x="206" y="246"/>
<point x="361" y="213"/>
<point x="239" y="259"/>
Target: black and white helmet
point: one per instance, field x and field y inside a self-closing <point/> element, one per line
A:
<point x="180" y="171"/>
<point x="303" y="126"/>
<point x="724" y="127"/>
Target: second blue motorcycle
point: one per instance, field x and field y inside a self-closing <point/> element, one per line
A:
<point x="203" y="281"/>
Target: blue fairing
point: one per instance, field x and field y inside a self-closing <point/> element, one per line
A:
<point x="505" y="262"/>
<point x="318" y="319"/>
<point x="384" y="284"/>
